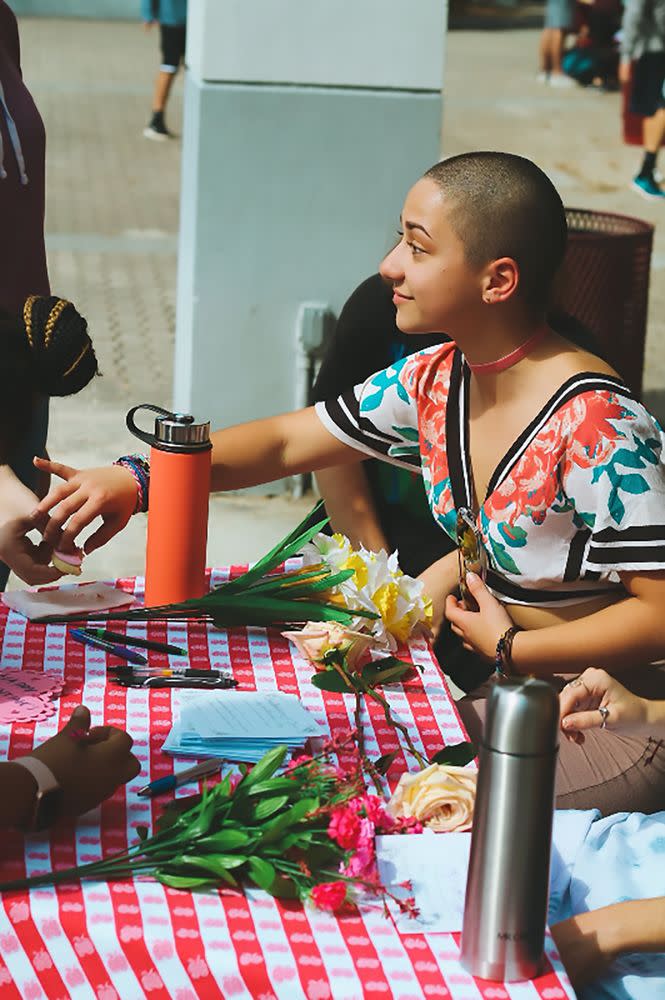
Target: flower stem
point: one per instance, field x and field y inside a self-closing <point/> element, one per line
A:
<point x="396" y="724"/>
<point x="366" y="763"/>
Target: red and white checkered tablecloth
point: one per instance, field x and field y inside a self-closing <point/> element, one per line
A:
<point x="138" y="939"/>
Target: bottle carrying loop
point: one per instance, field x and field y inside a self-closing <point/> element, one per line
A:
<point x="173" y="431"/>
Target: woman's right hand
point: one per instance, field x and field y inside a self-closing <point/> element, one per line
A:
<point x="108" y="492"/>
<point x="582" y="699"/>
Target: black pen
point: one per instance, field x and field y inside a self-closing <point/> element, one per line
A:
<point x="131" y="640"/>
<point x="149" y="671"/>
<point x="155" y="681"/>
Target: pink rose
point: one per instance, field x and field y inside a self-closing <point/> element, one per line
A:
<point x="318" y="638"/>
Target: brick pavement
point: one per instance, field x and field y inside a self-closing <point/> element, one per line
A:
<point x="113" y="214"/>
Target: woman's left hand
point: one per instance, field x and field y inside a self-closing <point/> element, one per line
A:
<point x="479" y="630"/>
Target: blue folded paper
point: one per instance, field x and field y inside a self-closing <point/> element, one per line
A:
<point x="240" y="725"/>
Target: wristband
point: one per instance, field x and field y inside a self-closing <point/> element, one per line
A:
<point x="503" y="658"/>
<point x="139" y="466"/>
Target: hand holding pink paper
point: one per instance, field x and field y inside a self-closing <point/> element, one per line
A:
<point x="27" y="696"/>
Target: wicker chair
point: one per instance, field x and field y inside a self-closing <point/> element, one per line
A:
<point x="604" y="283"/>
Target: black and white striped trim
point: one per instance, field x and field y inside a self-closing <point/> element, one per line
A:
<point x="640" y="545"/>
<point x="343" y="419"/>
<point x="511" y="592"/>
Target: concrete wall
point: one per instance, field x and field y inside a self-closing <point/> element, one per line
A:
<point x="120" y="9"/>
<point x="305" y="124"/>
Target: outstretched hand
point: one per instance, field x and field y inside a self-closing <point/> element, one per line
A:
<point x="28" y="560"/>
<point x="108" y="492"/>
<point x="479" y="630"/>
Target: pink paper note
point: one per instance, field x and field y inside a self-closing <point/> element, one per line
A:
<point x="27" y="696"/>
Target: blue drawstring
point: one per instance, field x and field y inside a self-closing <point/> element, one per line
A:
<point x="15" y="140"/>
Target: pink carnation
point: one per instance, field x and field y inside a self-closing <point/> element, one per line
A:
<point x="344" y="827"/>
<point x="329" y="895"/>
<point x="376" y="813"/>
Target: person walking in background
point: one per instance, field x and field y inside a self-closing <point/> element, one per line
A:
<point x="643" y="65"/>
<point x="171" y="15"/>
<point x="559" y="18"/>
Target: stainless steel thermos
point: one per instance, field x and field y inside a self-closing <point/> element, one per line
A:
<point x="508" y="881"/>
<point x="180" y="457"/>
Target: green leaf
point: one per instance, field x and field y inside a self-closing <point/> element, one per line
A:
<point x="331" y="680"/>
<point x="225" y="840"/>
<point x="385" y="671"/>
<point x="183" y="881"/>
<point x="216" y="864"/>
<point x="261" y="872"/>
<point x="268" y="807"/>
<point x="274" y="829"/>
<point x="289" y="546"/>
<point x="457" y="755"/>
<point x="202" y="816"/>
<point x="285" y="786"/>
<point x="382" y="764"/>
<point x="284" y="888"/>
<point x="266" y="767"/>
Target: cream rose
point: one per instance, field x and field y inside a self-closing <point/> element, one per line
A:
<point x="441" y="797"/>
<point x="318" y="638"/>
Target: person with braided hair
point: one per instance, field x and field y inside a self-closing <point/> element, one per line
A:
<point x="46" y="351"/>
<point x="23" y="265"/>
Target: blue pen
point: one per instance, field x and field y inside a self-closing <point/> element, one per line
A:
<point x="108" y="647"/>
<point x="161" y="785"/>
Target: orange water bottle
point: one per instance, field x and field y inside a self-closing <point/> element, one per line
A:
<point x="180" y="454"/>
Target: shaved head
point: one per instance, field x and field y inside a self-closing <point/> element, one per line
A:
<point x="503" y="205"/>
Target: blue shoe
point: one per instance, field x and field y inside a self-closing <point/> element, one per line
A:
<point x="647" y="187"/>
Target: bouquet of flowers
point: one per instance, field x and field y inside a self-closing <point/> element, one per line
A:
<point x="307" y="832"/>
<point x="389" y="605"/>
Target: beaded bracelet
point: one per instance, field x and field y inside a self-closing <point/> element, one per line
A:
<point x="503" y="658"/>
<point x="139" y="466"/>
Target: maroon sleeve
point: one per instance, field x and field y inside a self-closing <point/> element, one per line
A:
<point x="9" y="34"/>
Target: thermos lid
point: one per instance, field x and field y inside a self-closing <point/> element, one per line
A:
<point x="181" y="429"/>
<point x="173" y="431"/>
<point x="522" y="717"/>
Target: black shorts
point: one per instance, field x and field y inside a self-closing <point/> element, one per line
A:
<point x="173" y="38"/>
<point x="648" y="90"/>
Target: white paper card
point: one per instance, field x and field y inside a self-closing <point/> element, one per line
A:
<point x="66" y="600"/>
<point x="436" y="865"/>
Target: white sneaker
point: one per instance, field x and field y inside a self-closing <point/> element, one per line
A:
<point x="543" y="77"/>
<point x="561" y="80"/>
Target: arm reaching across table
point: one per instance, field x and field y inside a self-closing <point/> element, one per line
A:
<point x="246" y="455"/>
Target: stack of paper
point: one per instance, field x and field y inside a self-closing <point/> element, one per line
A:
<point x="240" y="725"/>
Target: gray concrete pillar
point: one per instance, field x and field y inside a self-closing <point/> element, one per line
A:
<point x="305" y="123"/>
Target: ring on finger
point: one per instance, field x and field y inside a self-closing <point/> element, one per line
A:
<point x="604" y="713"/>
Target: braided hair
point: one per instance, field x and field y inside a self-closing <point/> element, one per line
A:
<point x="46" y="351"/>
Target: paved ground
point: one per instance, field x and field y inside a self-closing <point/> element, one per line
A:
<point x="113" y="217"/>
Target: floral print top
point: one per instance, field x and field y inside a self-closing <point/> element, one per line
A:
<point x="578" y="497"/>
